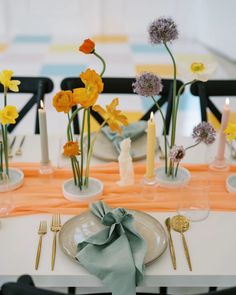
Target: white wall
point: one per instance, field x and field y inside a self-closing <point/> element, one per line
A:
<point x="87" y="16"/>
<point x="215" y="23"/>
<point x="212" y="22"/>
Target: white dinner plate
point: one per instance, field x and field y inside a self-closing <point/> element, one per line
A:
<point x="80" y="227"/>
<point x="105" y="151"/>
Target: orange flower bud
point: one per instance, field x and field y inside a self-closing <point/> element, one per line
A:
<point x="87" y="47"/>
<point x="71" y="149"/>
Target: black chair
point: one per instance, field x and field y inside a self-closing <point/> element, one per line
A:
<point x="25" y="286"/>
<point x="38" y="86"/>
<point x="124" y="86"/>
<point x="212" y="88"/>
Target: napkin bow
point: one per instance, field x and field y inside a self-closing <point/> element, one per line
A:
<point x="116" y="253"/>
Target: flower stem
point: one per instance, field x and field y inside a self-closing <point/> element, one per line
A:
<point x="89" y="129"/>
<point x="191" y="146"/>
<point x="90" y="154"/>
<point x="71" y="120"/>
<point x="176" y="169"/>
<point x="82" y="146"/>
<point x="165" y="137"/>
<point x="174" y="97"/>
<point x="77" y="169"/>
<point x="103" y="62"/>
<point x="76" y="173"/>
<point x="177" y="101"/>
<point x="5" y="96"/>
<point x="69" y="136"/>
<point x="5" y="147"/>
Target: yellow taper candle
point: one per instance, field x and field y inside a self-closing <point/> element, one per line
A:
<point x="151" y="146"/>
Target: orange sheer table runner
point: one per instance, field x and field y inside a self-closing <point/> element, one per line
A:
<point x="43" y="194"/>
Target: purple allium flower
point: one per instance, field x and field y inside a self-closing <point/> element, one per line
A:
<point x="177" y="153"/>
<point x="163" y="30"/>
<point x="204" y="132"/>
<point x="147" y="84"/>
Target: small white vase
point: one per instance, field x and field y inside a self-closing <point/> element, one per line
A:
<point x="14" y="181"/>
<point x="231" y="183"/>
<point x="183" y="176"/>
<point x="73" y="193"/>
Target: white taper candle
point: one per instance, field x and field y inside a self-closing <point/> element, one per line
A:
<point x="43" y="134"/>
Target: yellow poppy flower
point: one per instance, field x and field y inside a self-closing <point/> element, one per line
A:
<point x="8" y="115"/>
<point x="71" y="149"/>
<point x="5" y="80"/>
<point x="88" y="95"/>
<point x="112" y="116"/>
<point x="230" y="132"/>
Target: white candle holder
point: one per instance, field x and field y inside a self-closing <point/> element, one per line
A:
<point x="46" y="168"/>
<point x="219" y="165"/>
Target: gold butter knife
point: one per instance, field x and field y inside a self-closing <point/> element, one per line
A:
<point x="171" y="244"/>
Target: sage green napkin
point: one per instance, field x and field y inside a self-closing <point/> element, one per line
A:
<point x="116" y="253"/>
<point x="133" y="131"/>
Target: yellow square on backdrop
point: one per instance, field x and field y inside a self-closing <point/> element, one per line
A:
<point x="110" y="38"/>
<point x="3" y="47"/>
<point x="163" y="70"/>
<point x="63" y="48"/>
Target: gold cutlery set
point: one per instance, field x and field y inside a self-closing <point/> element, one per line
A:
<point x="18" y="151"/>
<point x="179" y="224"/>
<point x="55" y="228"/>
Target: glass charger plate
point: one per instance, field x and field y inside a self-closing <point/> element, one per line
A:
<point x="82" y="226"/>
<point x="104" y="150"/>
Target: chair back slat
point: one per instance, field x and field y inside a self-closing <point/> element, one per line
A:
<point x="206" y="90"/>
<point x="116" y="85"/>
<point x="38" y="87"/>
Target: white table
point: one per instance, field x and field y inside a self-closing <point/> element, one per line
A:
<point x="212" y="245"/>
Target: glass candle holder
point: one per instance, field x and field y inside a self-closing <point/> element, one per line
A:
<point x="6" y="196"/>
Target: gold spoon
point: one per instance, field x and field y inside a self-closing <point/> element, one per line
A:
<point x="171" y="244"/>
<point x="180" y="224"/>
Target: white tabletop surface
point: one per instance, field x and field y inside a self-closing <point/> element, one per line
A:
<point x="212" y="243"/>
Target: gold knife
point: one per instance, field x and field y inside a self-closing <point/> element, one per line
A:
<point x="171" y="244"/>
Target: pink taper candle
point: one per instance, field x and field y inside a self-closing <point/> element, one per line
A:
<point x="222" y="138"/>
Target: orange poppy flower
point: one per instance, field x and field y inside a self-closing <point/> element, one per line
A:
<point x="71" y="149"/>
<point x="63" y="101"/>
<point x="87" y="47"/>
<point x="88" y="95"/>
<point x="114" y="118"/>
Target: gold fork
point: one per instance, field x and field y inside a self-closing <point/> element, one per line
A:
<point x="55" y="227"/>
<point x="41" y="231"/>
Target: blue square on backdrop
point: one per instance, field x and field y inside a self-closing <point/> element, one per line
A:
<point x="62" y="69"/>
<point x="187" y="102"/>
<point x="32" y="39"/>
<point x="147" y="48"/>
